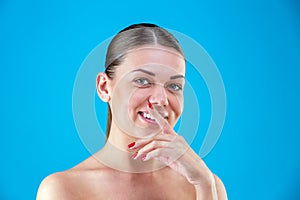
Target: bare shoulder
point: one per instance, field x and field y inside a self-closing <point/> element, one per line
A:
<point x="54" y="186"/>
<point x="222" y="195"/>
<point x="70" y="183"/>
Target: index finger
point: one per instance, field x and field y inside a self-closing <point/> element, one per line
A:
<point x="162" y="122"/>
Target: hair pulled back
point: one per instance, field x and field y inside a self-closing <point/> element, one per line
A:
<point x="132" y="37"/>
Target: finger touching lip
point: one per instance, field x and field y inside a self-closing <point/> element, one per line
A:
<point x="160" y="119"/>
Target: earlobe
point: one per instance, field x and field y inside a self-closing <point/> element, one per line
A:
<point x="101" y="85"/>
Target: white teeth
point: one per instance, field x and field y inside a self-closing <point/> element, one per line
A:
<point x="148" y="116"/>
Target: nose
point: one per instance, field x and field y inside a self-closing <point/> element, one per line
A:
<point x="158" y="95"/>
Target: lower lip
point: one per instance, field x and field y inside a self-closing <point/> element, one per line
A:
<point x="147" y="120"/>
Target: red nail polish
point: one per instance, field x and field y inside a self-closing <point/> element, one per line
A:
<point x="131" y="144"/>
<point x="134" y="155"/>
<point x="150" y="105"/>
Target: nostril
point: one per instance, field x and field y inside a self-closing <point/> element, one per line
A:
<point x="164" y="102"/>
<point x="159" y="96"/>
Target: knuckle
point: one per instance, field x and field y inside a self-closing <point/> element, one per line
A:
<point x="155" y="144"/>
<point x="180" y="138"/>
<point x="173" y="137"/>
<point x="158" y="151"/>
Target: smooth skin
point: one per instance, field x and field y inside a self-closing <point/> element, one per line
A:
<point x="158" y="166"/>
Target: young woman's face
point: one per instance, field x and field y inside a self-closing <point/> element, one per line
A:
<point x="152" y="74"/>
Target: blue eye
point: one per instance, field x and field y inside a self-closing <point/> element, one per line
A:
<point x="142" y="82"/>
<point x="174" y="87"/>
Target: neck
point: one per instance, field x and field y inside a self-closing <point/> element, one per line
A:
<point x="120" y="139"/>
<point x="117" y="155"/>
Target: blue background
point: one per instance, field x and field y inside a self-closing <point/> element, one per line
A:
<point x="255" y="45"/>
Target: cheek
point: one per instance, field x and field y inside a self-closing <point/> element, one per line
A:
<point x="176" y="104"/>
<point x="138" y="97"/>
<point x="120" y="98"/>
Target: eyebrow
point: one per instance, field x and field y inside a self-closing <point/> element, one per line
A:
<point x="152" y="74"/>
<point x="145" y="71"/>
<point x="177" y="76"/>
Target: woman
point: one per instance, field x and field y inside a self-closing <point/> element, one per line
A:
<point x="143" y="158"/>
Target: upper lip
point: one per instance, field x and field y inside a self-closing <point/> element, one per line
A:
<point x="164" y="114"/>
<point x="162" y="111"/>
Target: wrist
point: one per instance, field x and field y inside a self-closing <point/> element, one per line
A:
<point x="206" y="190"/>
<point x="206" y="180"/>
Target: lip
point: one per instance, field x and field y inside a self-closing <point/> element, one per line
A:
<point x="162" y="111"/>
<point x="140" y="114"/>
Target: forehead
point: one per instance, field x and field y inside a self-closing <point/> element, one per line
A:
<point x="153" y="55"/>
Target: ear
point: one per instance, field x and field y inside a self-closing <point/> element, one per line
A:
<point x="101" y="84"/>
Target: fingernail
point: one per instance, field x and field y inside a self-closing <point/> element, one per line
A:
<point x="143" y="157"/>
<point x="150" y="105"/>
<point x="134" y="155"/>
<point x="131" y="145"/>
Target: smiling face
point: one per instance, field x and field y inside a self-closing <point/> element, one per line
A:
<point x="152" y="74"/>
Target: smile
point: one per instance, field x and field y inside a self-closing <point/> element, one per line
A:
<point x="146" y="116"/>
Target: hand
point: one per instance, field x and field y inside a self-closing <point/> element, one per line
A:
<point x="172" y="149"/>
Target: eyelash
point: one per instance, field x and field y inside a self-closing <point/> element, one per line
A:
<point x="138" y="81"/>
<point x="141" y="82"/>
<point x="179" y="87"/>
